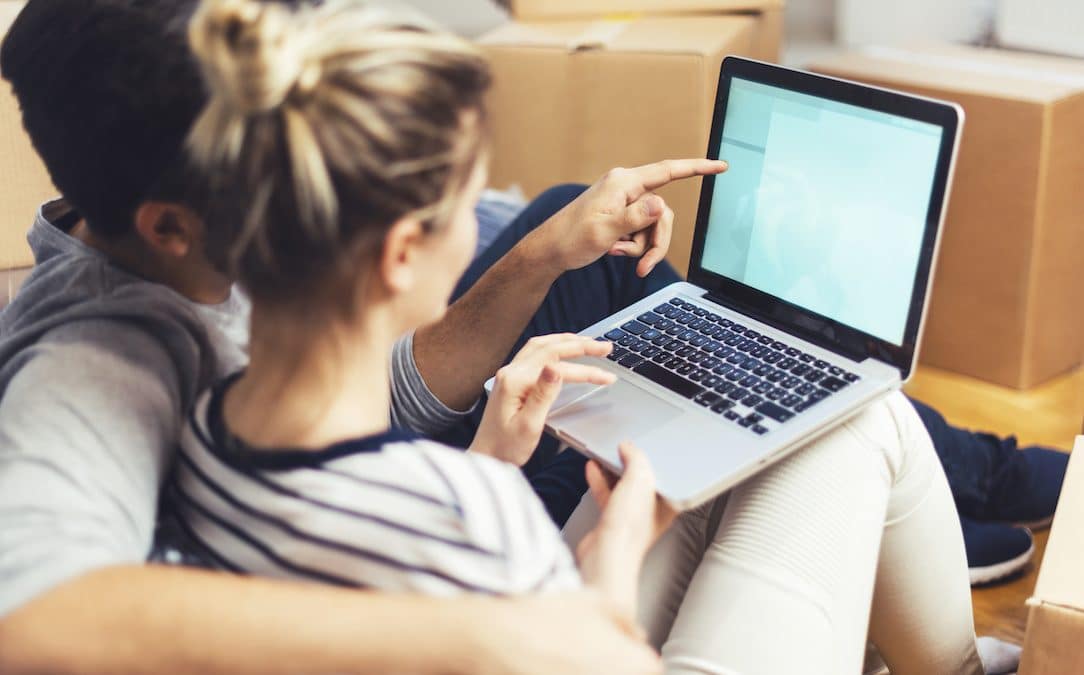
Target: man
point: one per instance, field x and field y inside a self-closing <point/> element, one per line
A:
<point x="123" y="320"/>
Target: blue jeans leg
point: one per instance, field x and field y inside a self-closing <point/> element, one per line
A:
<point x="576" y="300"/>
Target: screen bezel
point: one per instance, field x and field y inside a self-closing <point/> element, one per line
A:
<point x="817" y="328"/>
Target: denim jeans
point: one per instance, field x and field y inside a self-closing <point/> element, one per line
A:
<point x="577" y="299"/>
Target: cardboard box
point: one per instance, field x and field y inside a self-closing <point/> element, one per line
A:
<point x="531" y="10"/>
<point x="24" y="182"/>
<point x="574" y="99"/>
<point x="864" y="22"/>
<point x="1055" y="26"/>
<point x="1005" y="305"/>
<point x="1055" y="634"/>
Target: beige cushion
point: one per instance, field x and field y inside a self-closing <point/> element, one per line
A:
<point x="24" y="182"/>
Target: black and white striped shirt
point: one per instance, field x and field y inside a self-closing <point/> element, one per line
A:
<point x="393" y="512"/>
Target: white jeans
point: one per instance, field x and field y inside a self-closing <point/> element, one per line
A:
<point x="780" y="575"/>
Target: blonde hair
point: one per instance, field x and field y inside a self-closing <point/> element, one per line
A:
<point x="325" y="125"/>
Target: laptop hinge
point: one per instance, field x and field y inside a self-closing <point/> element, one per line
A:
<point x="855" y="353"/>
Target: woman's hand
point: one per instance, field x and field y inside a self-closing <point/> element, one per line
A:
<point x="633" y="518"/>
<point x="526" y="388"/>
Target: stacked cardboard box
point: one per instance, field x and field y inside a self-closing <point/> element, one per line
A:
<point x="575" y="97"/>
<point x="1055" y="26"/>
<point x="1055" y="631"/>
<point x="1006" y="298"/>
<point x="24" y="182"/>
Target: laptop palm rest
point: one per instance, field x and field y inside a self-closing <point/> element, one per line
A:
<point x="610" y="416"/>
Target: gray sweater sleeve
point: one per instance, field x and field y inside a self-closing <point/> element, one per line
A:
<point x="413" y="405"/>
<point x="88" y="421"/>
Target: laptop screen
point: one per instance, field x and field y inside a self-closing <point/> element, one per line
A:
<point x="824" y="206"/>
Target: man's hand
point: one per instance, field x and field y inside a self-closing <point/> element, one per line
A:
<point x="526" y="388"/>
<point x="620" y="215"/>
<point x="566" y="633"/>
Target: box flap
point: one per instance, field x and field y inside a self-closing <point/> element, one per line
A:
<point x="550" y="9"/>
<point x="1060" y="581"/>
<point x="676" y="35"/>
<point x="991" y="72"/>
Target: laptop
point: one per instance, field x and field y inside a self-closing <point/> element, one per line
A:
<point x="812" y="257"/>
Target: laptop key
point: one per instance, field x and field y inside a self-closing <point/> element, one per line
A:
<point x="775" y="412"/>
<point x="778" y="346"/>
<point x="726" y="323"/>
<point x="651" y="334"/>
<point x="627" y="340"/>
<point x="712" y="381"/>
<point x="787" y="364"/>
<point x="805" y="358"/>
<point x="749" y="382"/>
<point x="763" y="388"/>
<point x="776" y="394"/>
<point x="722" y="406"/>
<point x="765" y="340"/>
<point x="695" y="358"/>
<point x="663" y="308"/>
<point x="775" y="376"/>
<point x="615" y="335"/>
<point x="814" y="376"/>
<point x="738" y="394"/>
<point x="710" y="363"/>
<point x="790" y="400"/>
<point x="708" y="399"/>
<point x="660" y="376"/>
<point x="750" y="420"/>
<point x="820" y="364"/>
<point x="675" y="330"/>
<point x="650" y="352"/>
<point x="751" y="334"/>
<point x="751" y="401"/>
<point x="736" y="358"/>
<point x="773" y="357"/>
<point x="617" y="353"/>
<point x="650" y="318"/>
<point x="850" y="377"/>
<point x="677" y="301"/>
<point x="685" y="351"/>
<point x="684" y="369"/>
<point x="674" y="363"/>
<point x="686" y="318"/>
<point x="790" y="383"/>
<point x="819" y="395"/>
<point x="805" y="390"/>
<point x="793" y="353"/>
<point x="732" y="416"/>
<point x="726" y="387"/>
<point x="759" y="429"/>
<point x="800" y="369"/>
<point x="630" y="361"/>
<point x="699" y="311"/>
<point x="699" y="341"/>
<point x="634" y="327"/>
<point x="734" y="375"/>
<point x="698" y="375"/>
<point x="749" y="363"/>
<point x="763" y="370"/>
<point x="833" y="383"/>
<point x="722" y="369"/>
<point x="696" y="324"/>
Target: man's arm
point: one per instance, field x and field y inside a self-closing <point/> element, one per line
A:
<point x="619" y="215"/>
<point x="162" y="621"/>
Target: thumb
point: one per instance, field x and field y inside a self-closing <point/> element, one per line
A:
<point x="644" y="212"/>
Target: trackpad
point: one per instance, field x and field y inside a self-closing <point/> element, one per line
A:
<point x="620" y="412"/>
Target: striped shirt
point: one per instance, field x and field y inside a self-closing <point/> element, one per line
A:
<point x="392" y="512"/>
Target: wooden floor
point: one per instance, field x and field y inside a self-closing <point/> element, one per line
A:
<point x="1048" y="415"/>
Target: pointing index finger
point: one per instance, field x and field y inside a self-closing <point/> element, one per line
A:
<point x="653" y="176"/>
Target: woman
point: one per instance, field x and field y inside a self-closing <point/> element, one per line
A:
<point x="346" y="151"/>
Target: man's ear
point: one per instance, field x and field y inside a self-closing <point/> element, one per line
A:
<point x="399" y="255"/>
<point x="171" y="229"/>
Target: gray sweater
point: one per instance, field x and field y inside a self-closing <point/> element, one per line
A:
<point x="97" y="370"/>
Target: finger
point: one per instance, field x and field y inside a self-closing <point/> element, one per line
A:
<point x="569" y="347"/>
<point x="539" y="342"/>
<point x="642" y="213"/>
<point x="660" y="244"/>
<point x="637" y="469"/>
<point x="653" y="176"/>
<point x="576" y="373"/>
<point x="538" y="402"/>
<point x="601" y="484"/>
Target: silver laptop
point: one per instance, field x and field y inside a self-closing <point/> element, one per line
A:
<point x="811" y="261"/>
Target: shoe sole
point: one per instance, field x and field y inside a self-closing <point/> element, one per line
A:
<point x="1034" y="525"/>
<point x="992" y="573"/>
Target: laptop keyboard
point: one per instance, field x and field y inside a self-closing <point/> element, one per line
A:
<point x="747" y="378"/>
